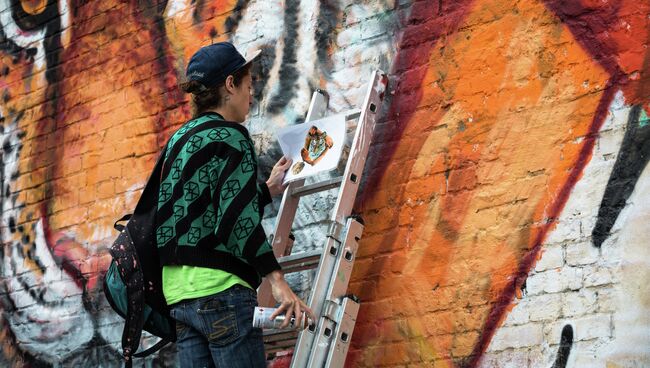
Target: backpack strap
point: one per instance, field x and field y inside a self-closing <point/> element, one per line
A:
<point x="120" y="227"/>
<point x="126" y="261"/>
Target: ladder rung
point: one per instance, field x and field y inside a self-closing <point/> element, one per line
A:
<point x="290" y="345"/>
<point x="300" y="261"/>
<point x="279" y="340"/>
<point x="317" y="187"/>
<point x="279" y="335"/>
<point x="352" y="114"/>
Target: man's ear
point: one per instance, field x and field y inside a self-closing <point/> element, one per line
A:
<point x="230" y="84"/>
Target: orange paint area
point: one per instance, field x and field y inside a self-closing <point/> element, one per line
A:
<point x="616" y="34"/>
<point x="33" y="7"/>
<point x="92" y="139"/>
<point x="197" y="26"/>
<point x="501" y="122"/>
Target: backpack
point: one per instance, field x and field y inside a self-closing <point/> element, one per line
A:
<point x="133" y="282"/>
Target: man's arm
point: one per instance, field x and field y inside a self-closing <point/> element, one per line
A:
<point x="290" y="304"/>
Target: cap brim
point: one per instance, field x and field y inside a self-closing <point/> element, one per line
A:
<point x="249" y="60"/>
<point x="253" y="56"/>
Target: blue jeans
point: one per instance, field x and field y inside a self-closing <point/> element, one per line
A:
<point x="217" y="330"/>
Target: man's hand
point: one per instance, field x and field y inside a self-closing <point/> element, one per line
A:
<point x="277" y="175"/>
<point x="290" y="304"/>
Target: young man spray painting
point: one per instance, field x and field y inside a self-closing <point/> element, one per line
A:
<point x="212" y="245"/>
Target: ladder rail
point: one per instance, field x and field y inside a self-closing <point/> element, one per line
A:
<point x="360" y="146"/>
<point x="342" y="210"/>
<point x="334" y="303"/>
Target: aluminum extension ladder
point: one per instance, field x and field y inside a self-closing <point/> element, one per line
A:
<point x="326" y="342"/>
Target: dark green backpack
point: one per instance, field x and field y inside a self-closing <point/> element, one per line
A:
<point x="133" y="282"/>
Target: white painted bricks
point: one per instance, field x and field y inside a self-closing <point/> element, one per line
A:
<point x="518" y="336"/>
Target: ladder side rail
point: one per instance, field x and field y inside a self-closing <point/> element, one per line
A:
<point x="338" y="351"/>
<point x="288" y="207"/>
<point x="347" y="193"/>
<point x="321" y="282"/>
<point x="360" y="146"/>
<point x="343" y="269"/>
<point x="334" y="298"/>
<point x="342" y="209"/>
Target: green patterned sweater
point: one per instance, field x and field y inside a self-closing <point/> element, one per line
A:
<point x="210" y="205"/>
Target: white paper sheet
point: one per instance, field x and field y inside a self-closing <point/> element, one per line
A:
<point x="314" y="147"/>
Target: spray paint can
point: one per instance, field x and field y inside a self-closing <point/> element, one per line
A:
<point x="261" y="319"/>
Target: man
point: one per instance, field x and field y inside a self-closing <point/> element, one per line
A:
<point x="210" y="238"/>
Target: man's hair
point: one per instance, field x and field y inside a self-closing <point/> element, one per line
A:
<point x="204" y="99"/>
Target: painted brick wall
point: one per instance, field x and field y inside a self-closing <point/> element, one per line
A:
<point x="505" y="197"/>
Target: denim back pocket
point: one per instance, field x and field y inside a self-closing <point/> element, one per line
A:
<point x="219" y="321"/>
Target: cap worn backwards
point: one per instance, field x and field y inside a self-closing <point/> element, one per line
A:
<point x="212" y="64"/>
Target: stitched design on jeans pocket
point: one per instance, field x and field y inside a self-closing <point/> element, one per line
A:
<point x="224" y="330"/>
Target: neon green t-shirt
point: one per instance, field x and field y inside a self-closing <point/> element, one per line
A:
<point x="189" y="282"/>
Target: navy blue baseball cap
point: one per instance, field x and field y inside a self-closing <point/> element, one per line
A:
<point x="212" y="64"/>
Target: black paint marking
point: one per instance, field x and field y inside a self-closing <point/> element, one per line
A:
<point x="328" y="19"/>
<point x="632" y="159"/>
<point x="53" y="49"/>
<point x="6" y="147"/>
<point x="31" y="53"/>
<point x="198" y="9"/>
<point x="11" y="218"/>
<point x="8" y="304"/>
<point x="34" y="258"/>
<point x="261" y="70"/>
<point x="566" y="341"/>
<point x="213" y="33"/>
<point x="288" y="74"/>
<point x="233" y="20"/>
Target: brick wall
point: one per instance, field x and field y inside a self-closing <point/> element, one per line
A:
<point x="504" y="197"/>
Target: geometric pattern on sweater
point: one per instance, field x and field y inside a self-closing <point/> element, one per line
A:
<point x="209" y="196"/>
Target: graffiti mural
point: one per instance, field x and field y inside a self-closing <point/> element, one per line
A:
<point x="503" y="196"/>
<point x="89" y="96"/>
